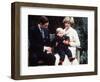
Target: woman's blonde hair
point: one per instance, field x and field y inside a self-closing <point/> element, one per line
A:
<point x="68" y="19"/>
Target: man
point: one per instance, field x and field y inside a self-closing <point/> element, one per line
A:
<point x="40" y="50"/>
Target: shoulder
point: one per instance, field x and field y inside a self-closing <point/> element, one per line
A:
<point x="33" y="28"/>
<point x="73" y="30"/>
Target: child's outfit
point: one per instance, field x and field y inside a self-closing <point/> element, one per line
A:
<point x="62" y="49"/>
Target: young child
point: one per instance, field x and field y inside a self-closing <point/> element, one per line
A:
<point x="62" y="49"/>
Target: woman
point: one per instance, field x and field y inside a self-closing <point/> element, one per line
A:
<point x="72" y="33"/>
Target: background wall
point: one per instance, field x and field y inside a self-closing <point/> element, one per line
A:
<point x="5" y="40"/>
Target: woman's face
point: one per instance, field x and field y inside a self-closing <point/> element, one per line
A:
<point x="67" y="24"/>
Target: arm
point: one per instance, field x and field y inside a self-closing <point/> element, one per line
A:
<point x="74" y="40"/>
<point x="35" y="41"/>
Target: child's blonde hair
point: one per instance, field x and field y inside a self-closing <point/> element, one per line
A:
<point x="59" y="30"/>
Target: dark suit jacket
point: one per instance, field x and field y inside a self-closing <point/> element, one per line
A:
<point x="36" y="40"/>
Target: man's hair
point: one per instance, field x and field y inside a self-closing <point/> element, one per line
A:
<point x="43" y="20"/>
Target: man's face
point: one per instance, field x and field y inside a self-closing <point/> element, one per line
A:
<point x="44" y="25"/>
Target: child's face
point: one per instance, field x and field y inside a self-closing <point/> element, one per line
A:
<point x="60" y="34"/>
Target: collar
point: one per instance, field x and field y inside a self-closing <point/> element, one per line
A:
<point x="39" y="27"/>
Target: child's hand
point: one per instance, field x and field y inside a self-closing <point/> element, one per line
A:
<point x="66" y="42"/>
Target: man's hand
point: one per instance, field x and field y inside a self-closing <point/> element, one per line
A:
<point x="48" y="49"/>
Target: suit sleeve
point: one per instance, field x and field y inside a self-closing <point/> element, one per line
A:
<point x="35" y="42"/>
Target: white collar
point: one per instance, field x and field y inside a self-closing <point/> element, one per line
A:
<point x="39" y="27"/>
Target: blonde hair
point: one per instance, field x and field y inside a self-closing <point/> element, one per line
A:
<point x="68" y="19"/>
<point x="59" y="30"/>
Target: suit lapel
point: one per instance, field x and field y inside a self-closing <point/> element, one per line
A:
<point x="39" y="32"/>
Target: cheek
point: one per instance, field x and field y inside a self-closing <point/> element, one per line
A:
<point x="67" y="25"/>
<point x="46" y="26"/>
<point x="61" y="35"/>
<point x="58" y="35"/>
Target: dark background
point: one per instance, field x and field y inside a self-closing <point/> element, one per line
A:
<point x="80" y="25"/>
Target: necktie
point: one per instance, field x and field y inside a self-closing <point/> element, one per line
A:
<point x="42" y="31"/>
